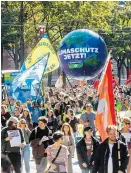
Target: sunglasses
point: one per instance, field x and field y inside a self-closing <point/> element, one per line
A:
<point x="127" y="123"/>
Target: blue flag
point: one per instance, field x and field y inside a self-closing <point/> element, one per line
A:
<point x="29" y="78"/>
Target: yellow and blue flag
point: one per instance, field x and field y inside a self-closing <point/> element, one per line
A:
<point x="34" y="73"/>
<point x="43" y="47"/>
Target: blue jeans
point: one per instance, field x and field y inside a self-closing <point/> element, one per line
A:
<point x="25" y="155"/>
<point x="88" y="169"/>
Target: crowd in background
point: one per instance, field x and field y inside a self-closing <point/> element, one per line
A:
<point x="66" y="116"/>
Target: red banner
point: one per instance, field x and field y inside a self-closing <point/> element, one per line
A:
<point x="106" y="107"/>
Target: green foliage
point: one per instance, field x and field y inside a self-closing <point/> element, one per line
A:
<point x="107" y="18"/>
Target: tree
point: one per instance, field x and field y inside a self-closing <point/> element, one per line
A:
<point x="59" y="18"/>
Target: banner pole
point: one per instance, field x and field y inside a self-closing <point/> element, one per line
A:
<point x="42" y="77"/>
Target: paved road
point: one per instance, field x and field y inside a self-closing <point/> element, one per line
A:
<point x="76" y="168"/>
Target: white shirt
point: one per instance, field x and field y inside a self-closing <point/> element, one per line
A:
<point x="110" y="163"/>
<point x="127" y="137"/>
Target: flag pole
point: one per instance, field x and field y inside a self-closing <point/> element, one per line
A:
<point x="42" y="77"/>
<point x="70" y="85"/>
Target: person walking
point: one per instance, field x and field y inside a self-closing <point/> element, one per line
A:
<point x="112" y="154"/>
<point x="25" y="152"/>
<point x="126" y="132"/>
<point x="69" y="142"/>
<point x="57" y="155"/>
<point x="10" y="148"/>
<point x="36" y="113"/>
<point x="72" y="120"/>
<point x="39" y="140"/>
<point x="4" y="115"/>
<point x="27" y="116"/>
<point x="52" y="121"/>
<point x="86" y="150"/>
<point x="89" y="116"/>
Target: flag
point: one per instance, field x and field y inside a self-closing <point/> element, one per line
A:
<point x="35" y="72"/>
<point x="106" y="107"/>
<point x="43" y="47"/>
<point x="129" y="78"/>
<point x="59" y="82"/>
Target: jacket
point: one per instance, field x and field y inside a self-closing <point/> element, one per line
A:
<point x="36" y="135"/>
<point x="38" y="151"/>
<point x="6" y="147"/>
<point x="102" y="156"/>
<point x="82" y="152"/>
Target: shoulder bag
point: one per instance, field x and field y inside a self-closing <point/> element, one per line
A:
<point x="47" y="171"/>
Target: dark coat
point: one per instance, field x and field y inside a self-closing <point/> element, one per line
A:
<point x="102" y="156"/>
<point x="38" y="151"/>
<point x="82" y="151"/>
<point x="122" y="138"/>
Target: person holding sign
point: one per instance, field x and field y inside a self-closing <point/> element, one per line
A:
<point x="12" y="140"/>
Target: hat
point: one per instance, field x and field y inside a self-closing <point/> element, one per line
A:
<point x="87" y="128"/>
<point x="13" y="119"/>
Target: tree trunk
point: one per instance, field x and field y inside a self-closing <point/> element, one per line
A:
<point x="2" y="57"/>
<point x="21" y="34"/>
<point x="16" y="56"/>
<point x="119" y="74"/>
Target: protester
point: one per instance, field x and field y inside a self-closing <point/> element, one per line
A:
<point x="19" y="104"/>
<point x="86" y="150"/>
<point x="126" y="132"/>
<point x="5" y="164"/>
<point x="11" y="104"/>
<point x="25" y="152"/>
<point x="61" y="162"/>
<point x="89" y="115"/>
<point x="27" y="116"/>
<point x="36" y="113"/>
<point x="39" y="142"/>
<point x="12" y="150"/>
<point x="76" y="106"/>
<point x="52" y="121"/>
<point x="69" y="142"/>
<point x="72" y="120"/>
<point x="112" y="155"/>
<point x="57" y="111"/>
<point x="29" y="105"/>
<point x="17" y="112"/>
<point x="4" y="115"/>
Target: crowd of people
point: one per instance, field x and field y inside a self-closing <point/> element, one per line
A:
<point x="64" y="123"/>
